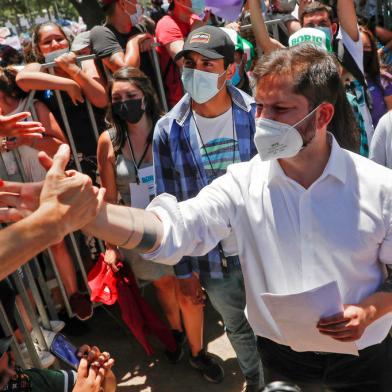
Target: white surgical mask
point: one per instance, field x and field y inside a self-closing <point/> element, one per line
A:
<point x="201" y="85"/>
<point x="135" y="18"/>
<point x="276" y="140"/>
<point x="50" y="57"/>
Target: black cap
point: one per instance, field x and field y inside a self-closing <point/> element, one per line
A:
<point x="5" y="344"/>
<point x="211" y="42"/>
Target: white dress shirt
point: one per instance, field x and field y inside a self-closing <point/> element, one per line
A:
<point x="291" y="239"/>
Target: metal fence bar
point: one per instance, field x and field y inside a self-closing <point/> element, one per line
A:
<point x="17" y="280"/>
<point x="28" y="341"/>
<point x="60" y="283"/>
<point x="37" y="296"/>
<point x="45" y="291"/>
<point x="79" y="260"/>
<point x="8" y="331"/>
<point x="271" y="24"/>
<point x="66" y="126"/>
<point x="157" y="70"/>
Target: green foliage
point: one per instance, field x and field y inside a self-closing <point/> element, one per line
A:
<point x="12" y="9"/>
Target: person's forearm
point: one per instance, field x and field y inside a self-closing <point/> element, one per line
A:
<point x="50" y="145"/>
<point x="93" y="90"/>
<point x="26" y="238"/>
<point x="377" y="305"/>
<point x="132" y="54"/>
<point x="260" y="29"/>
<point x="348" y="18"/>
<point x="28" y="81"/>
<point x="130" y="228"/>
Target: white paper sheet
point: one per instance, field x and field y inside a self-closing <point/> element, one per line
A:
<point x="297" y="315"/>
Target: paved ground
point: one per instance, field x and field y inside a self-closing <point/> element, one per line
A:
<point x="137" y="373"/>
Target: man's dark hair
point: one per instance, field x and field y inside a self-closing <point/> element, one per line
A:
<point x="108" y="10"/>
<point x="315" y="75"/>
<point x="314" y="7"/>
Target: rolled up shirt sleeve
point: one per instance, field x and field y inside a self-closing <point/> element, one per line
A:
<point x="195" y="226"/>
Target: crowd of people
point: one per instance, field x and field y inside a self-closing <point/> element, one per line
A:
<point x="258" y="179"/>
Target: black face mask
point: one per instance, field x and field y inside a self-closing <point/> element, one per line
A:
<point x="367" y="59"/>
<point x="130" y="110"/>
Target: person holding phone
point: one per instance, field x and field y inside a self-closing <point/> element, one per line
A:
<point x="93" y="375"/>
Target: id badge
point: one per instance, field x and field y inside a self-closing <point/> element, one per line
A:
<point x="143" y="193"/>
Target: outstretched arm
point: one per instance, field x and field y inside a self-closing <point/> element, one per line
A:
<point x="264" y="41"/>
<point x="66" y="203"/>
<point x="348" y="18"/>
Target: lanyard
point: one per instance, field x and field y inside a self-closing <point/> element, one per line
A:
<point x="137" y="165"/>
<point x="204" y="147"/>
<point x="220" y="248"/>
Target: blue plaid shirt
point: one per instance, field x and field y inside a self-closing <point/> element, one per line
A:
<point x="179" y="167"/>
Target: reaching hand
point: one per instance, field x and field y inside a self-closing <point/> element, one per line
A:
<point x="67" y="62"/>
<point x="111" y="258"/>
<point x="70" y="197"/>
<point x="15" y="126"/>
<point x="20" y="199"/>
<point x="25" y="140"/>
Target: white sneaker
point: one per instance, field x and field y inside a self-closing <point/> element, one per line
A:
<point x="48" y="336"/>
<point x="55" y="325"/>
<point x="45" y="357"/>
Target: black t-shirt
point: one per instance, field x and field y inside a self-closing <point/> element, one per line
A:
<point x="79" y="121"/>
<point x="106" y="40"/>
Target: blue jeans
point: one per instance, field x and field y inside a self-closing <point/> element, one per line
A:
<point x="227" y="296"/>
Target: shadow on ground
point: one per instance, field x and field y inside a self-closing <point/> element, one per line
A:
<point x="138" y="373"/>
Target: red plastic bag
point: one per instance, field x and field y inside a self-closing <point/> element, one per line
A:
<point x="103" y="283"/>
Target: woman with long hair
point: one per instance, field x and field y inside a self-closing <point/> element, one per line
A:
<point x="126" y="168"/>
<point x="378" y="80"/>
<point x="51" y="44"/>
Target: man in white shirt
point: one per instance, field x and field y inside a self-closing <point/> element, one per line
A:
<point x="305" y="212"/>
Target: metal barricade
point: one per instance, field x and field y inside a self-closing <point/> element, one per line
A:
<point x="158" y="76"/>
<point x="272" y="26"/>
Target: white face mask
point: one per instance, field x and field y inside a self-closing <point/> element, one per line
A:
<point x="135" y="18"/>
<point x="276" y="140"/>
<point x="201" y="86"/>
<point x="50" y="57"/>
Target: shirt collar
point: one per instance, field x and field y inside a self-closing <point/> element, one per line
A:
<point x="181" y="111"/>
<point x="336" y="165"/>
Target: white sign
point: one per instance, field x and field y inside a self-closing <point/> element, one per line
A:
<point x="143" y="193"/>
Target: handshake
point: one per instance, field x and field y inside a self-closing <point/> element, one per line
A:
<point x="67" y="199"/>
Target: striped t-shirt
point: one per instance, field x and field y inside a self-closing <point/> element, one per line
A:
<point x="218" y="143"/>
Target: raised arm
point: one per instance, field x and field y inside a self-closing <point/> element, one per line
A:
<point x="32" y="78"/>
<point x="264" y="41"/>
<point x="131" y="56"/>
<point x="348" y="18"/>
<point x="87" y="77"/>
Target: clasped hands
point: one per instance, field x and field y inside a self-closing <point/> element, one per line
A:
<point x="66" y="198"/>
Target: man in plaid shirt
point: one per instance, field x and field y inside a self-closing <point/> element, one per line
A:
<point x="211" y="127"/>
